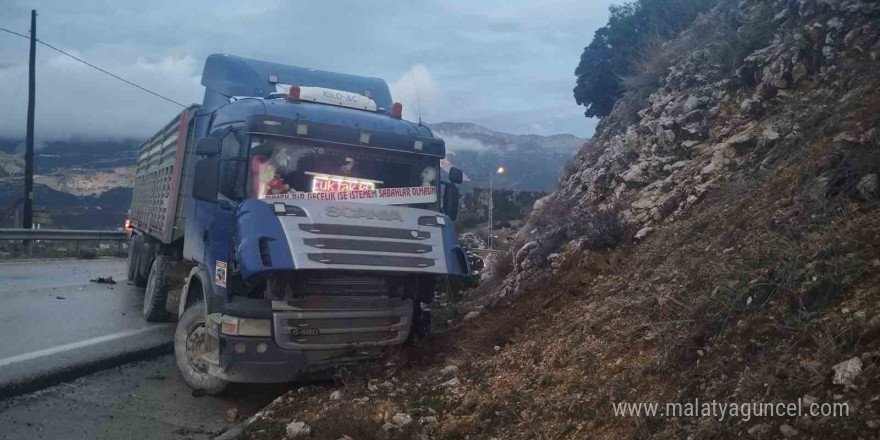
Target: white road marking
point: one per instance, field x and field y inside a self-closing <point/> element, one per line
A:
<point x="75" y="345"/>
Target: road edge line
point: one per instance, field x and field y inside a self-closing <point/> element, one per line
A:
<point x="72" y="372"/>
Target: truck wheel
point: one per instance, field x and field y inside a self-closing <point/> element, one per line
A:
<point x="189" y="345"/>
<point x="140" y="254"/>
<point x="133" y="245"/>
<point x="157" y="290"/>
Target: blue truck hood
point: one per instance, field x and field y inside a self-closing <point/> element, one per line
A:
<point x="345" y="236"/>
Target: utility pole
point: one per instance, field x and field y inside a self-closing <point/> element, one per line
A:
<point x="491" y="205"/>
<point x="500" y="170"/>
<point x="28" y="217"/>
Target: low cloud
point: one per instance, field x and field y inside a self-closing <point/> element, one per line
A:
<point x="458" y="143"/>
<point x="74" y="100"/>
<point x="419" y="93"/>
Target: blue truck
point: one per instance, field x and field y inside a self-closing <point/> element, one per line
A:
<point x="292" y="223"/>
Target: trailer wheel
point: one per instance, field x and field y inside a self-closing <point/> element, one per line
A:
<point x="189" y="346"/>
<point x="140" y="254"/>
<point x="157" y="290"/>
<point x="133" y="245"/>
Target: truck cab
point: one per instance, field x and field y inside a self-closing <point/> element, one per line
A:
<point x="309" y="223"/>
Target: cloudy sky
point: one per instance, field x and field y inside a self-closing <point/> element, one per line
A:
<point x="507" y="65"/>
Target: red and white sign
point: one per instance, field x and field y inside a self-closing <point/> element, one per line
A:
<point x="381" y="196"/>
<point x="328" y="183"/>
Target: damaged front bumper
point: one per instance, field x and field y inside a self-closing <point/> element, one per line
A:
<point x="308" y="335"/>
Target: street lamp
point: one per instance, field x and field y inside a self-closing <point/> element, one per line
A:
<point x="500" y="170"/>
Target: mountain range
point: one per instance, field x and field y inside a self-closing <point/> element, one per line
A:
<point x="531" y="162"/>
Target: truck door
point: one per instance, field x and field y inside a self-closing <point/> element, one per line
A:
<point x="231" y="190"/>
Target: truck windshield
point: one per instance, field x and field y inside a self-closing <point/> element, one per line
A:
<point x="286" y="169"/>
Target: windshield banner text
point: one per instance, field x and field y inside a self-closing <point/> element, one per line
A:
<point x="381" y="196"/>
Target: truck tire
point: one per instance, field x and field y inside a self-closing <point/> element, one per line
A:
<point x="157" y="290"/>
<point x="133" y="247"/>
<point x="189" y="345"/>
<point x="140" y="255"/>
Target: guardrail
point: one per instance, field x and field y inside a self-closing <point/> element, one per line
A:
<point x="74" y="235"/>
<point x="61" y="234"/>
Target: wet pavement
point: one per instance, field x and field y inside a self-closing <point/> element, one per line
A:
<point x="141" y="400"/>
<point x="61" y="327"/>
<point x="59" y="324"/>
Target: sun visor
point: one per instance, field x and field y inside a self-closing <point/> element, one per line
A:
<point x="227" y="75"/>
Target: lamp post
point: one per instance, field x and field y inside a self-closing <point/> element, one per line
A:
<point x="500" y="170"/>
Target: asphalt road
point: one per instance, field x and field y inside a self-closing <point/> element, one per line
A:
<point x="61" y="329"/>
<point x="142" y="400"/>
<point x="57" y="324"/>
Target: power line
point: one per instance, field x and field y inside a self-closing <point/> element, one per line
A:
<point x="95" y="67"/>
<point x="15" y="33"/>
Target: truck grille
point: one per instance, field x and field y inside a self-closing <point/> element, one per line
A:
<point x="328" y="323"/>
<point x="367" y="245"/>
<point x="371" y="260"/>
<point x="364" y="231"/>
<point x="337" y="284"/>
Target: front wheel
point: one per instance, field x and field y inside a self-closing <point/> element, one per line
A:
<point x="189" y="346"/>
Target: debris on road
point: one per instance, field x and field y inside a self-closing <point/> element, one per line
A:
<point x="60" y="297"/>
<point x="102" y="280"/>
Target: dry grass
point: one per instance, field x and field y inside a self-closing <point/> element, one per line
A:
<point x="651" y="62"/>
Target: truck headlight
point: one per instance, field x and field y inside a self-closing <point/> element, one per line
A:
<point x="230" y="325"/>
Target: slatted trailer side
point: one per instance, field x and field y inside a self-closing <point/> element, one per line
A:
<point x="162" y="179"/>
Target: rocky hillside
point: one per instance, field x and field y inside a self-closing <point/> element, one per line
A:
<point x="532" y="162"/>
<point x="718" y="240"/>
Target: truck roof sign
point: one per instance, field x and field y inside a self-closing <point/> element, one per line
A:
<point x="332" y="97"/>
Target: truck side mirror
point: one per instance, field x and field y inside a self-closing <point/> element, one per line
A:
<point x="208" y="146"/>
<point x="450" y="199"/>
<point x="455" y="175"/>
<point x="206" y="180"/>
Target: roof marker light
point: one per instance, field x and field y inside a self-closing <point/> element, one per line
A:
<point x="397" y="110"/>
<point x="293" y="93"/>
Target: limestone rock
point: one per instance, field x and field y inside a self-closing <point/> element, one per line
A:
<point x="401" y="419"/>
<point x="758" y="430"/>
<point x="643" y="232"/>
<point x="751" y="107"/>
<point x="867" y="187"/>
<point x="451" y="383"/>
<point x="846" y="371"/>
<point x="694" y="103"/>
<point x="297" y="429"/>
<point x="449" y="369"/>
<point x="788" y="431"/>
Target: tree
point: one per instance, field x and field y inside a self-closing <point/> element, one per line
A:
<point x="614" y="47"/>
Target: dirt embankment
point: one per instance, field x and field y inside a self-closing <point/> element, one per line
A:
<point x="718" y="240"/>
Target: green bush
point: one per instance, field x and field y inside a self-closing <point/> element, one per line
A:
<point x="612" y="54"/>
